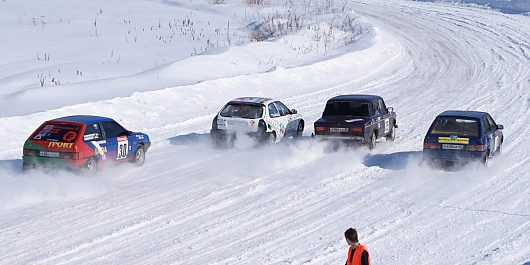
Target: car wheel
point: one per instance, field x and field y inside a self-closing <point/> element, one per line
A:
<point x="139" y="156"/>
<point x="299" y="130"/>
<point x="486" y="158"/>
<point x="26" y="167"/>
<point x="92" y="166"/>
<point x="392" y="136"/>
<point x="372" y="141"/>
<point x="272" y="137"/>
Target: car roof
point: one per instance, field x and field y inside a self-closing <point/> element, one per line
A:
<point x="355" y="97"/>
<point x="86" y="119"/>
<point x="463" y="113"/>
<point x="252" y="100"/>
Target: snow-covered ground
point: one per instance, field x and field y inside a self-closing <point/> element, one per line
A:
<point x="506" y="6"/>
<point x="283" y="204"/>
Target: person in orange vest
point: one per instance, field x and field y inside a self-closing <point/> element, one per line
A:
<point x="357" y="254"/>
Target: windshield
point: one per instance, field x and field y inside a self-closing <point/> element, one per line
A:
<point x="244" y="111"/>
<point x="347" y="108"/>
<point x="57" y="133"/>
<point x="455" y="126"/>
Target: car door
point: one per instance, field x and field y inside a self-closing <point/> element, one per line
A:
<point x="117" y="140"/>
<point x="496" y="134"/>
<point x="387" y="119"/>
<point x="377" y="118"/>
<point x="276" y="120"/>
<point x="94" y="138"/>
<point x="290" y="124"/>
<point x="489" y="134"/>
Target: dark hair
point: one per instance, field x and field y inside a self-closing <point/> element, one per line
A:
<point x="351" y="234"/>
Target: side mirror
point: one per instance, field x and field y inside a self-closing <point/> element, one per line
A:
<point x="390" y="109"/>
<point x="500" y="126"/>
<point x="293" y="111"/>
<point x="126" y="133"/>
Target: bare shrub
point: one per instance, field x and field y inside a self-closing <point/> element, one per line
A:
<point x="301" y="14"/>
<point x="254" y="2"/>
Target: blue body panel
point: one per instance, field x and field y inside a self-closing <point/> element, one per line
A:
<point x="113" y="148"/>
<point x="484" y="138"/>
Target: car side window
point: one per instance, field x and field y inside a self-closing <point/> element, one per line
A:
<point x="382" y="107"/>
<point x="487" y="125"/>
<point x="492" y="123"/>
<point x="282" y="108"/>
<point x="92" y="132"/>
<point x="273" y="111"/>
<point x="113" y="129"/>
<point x="375" y="107"/>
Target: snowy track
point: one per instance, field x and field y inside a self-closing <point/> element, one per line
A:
<point x="290" y="203"/>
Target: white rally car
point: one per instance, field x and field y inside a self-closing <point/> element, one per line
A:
<point x="264" y="119"/>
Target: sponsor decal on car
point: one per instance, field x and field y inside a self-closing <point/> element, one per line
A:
<point x="60" y="145"/>
<point x="453" y="140"/>
<point x="99" y="150"/>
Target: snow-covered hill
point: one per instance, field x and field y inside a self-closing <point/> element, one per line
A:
<point x="283" y="204"/>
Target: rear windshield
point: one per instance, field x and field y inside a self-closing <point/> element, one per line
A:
<point x="455" y="126"/>
<point x="57" y="133"/>
<point x="347" y="108"/>
<point x="244" y="111"/>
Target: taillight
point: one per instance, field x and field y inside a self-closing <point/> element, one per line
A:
<point x="69" y="155"/>
<point x="29" y="152"/>
<point x="320" y="129"/>
<point x="476" y="148"/>
<point x="358" y="130"/>
<point x="427" y="145"/>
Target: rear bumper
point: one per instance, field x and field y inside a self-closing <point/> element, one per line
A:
<point x="223" y="135"/>
<point x="330" y="137"/>
<point x="452" y="155"/>
<point x="48" y="162"/>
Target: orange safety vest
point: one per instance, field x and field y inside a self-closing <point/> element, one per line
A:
<point x="356" y="260"/>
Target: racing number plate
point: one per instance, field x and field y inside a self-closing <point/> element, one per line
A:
<point x="339" y="130"/>
<point x="123" y="147"/>
<point x="49" y="154"/>
<point x="452" y="146"/>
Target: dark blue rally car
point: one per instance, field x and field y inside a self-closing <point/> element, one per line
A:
<point x="356" y="118"/>
<point x="461" y="136"/>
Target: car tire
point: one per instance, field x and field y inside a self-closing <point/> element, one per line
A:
<point x="486" y="158"/>
<point x="392" y="136"/>
<point x="91" y="166"/>
<point x="272" y="138"/>
<point x="139" y="156"/>
<point x="299" y="129"/>
<point x="372" y="141"/>
<point x="26" y="167"/>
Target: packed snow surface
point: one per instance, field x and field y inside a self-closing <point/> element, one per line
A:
<point x="284" y="204"/>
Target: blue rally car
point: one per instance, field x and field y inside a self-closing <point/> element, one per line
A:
<point x="83" y="142"/>
<point x="462" y="136"/>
